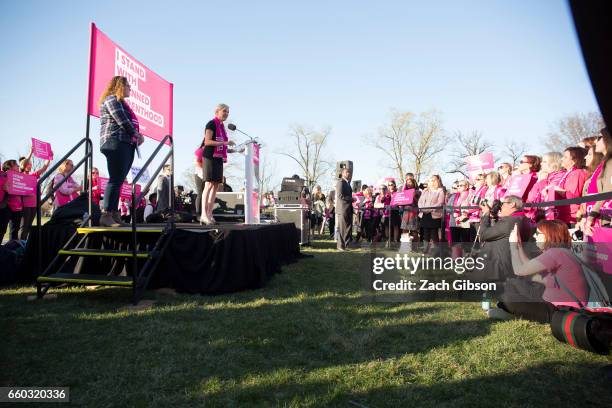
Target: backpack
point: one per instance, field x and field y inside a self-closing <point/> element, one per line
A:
<point x="599" y="299"/>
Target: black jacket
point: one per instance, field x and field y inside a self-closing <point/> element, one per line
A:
<point x="163" y="192"/>
<point x="495" y="244"/>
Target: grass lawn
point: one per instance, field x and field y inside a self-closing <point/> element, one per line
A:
<point x="310" y="338"/>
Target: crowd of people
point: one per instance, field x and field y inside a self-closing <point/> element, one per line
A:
<point x="480" y="215"/>
<point x="578" y="171"/>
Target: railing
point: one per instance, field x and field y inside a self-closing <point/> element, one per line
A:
<point x="137" y="198"/>
<point x="450" y="208"/>
<point x="88" y="161"/>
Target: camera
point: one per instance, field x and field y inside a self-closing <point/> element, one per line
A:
<point x="495" y="206"/>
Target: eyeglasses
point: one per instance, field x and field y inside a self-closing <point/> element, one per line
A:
<point x="599" y="138"/>
<point x="524" y="161"/>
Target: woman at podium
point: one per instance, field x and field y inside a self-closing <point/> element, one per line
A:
<point x="214" y="154"/>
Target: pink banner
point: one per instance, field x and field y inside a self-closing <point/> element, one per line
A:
<point x="255" y="153"/>
<point x="480" y="162"/>
<point x="601" y="248"/>
<point x="517" y="184"/>
<point x="405" y="197"/>
<point x="150" y="95"/>
<point x="126" y="188"/>
<point x="20" y="183"/>
<point x="41" y="149"/>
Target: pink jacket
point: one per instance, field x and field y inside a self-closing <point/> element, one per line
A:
<point x="431" y="198"/>
<point x="66" y="193"/>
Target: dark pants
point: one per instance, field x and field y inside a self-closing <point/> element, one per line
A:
<point x="431" y="234"/>
<point x="199" y="185"/>
<point x="394" y="231"/>
<point x="345" y="229"/>
<point x="5" y="217"/>
<point x="26" y="222"/>
<point x="15" y="224"/>
<point x="331" y="223"/>
<point x="523" y="298"/>
<point x="459" y="234"/>
<point x="119" y="161"/>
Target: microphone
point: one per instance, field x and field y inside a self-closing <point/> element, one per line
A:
<point x="233" y="127"/>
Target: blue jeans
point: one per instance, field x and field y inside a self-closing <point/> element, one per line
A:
<point x="119" y="161"/>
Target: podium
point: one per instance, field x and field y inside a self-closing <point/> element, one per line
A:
<point x="251" y="182"/>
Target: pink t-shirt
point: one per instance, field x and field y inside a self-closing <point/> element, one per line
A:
<point x="2" y="182"/>
<point x="30" y="201"/>
<point x="563" y="264"/>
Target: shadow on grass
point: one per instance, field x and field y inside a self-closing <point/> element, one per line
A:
<point x="309" y="319"/>
<point x="544" y="385"/>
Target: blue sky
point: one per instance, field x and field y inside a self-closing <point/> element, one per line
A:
<point x="506" y="68"/>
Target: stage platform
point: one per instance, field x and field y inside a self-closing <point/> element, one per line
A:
<point x="221" y="258"/>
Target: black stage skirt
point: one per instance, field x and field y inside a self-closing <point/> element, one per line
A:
<point x="213" y="169"/>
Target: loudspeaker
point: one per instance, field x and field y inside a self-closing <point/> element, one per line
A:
<point x="229" y="204"/>
<point x="343" y="165"/>
<point x="293" y="184"/>
<point x="297" y="215"/>
<point x="356" y="185"/>
<point x="288" y="197"/>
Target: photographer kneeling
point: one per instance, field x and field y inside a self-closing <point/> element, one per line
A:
<point x="494" y="237"/>
<point x="554" y="278"/>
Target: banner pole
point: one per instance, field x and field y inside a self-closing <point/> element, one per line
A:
<point x="88" y="171"/>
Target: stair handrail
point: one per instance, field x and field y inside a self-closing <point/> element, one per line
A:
<point x="86" y="184"/>
<point x="137" y="198"/>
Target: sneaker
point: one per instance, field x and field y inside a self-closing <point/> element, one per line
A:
<point x="499" y="314"/>
<point x="107" y="220"/>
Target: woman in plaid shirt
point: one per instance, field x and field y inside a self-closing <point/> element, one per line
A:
<point x="119" y="136"/>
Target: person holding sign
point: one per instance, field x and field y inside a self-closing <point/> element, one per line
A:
<point x="29" y="201"/>
<point x="119" y="137"/>
<point x="69" y="188"/>
<point x="213" y="156"/>
<point x="10" y="204"/>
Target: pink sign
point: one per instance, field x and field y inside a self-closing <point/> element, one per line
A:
<point x="405" y="197"/>
<point x="601" y="248"/>
<point x="41" y="149"/>
<point x="255" y="153"/>
<point x="126" y="188"/>
<point x="20" y="183"/>
<point x="517" y="184"/>
<point x="480" y="162"/>
<point x="150" y="95"/>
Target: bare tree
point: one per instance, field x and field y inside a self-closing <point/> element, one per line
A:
<point x="425" y="142"/>
<point x="308" y="147"/>
<point x="187" y="180"/>
<point x="515" y="150"/>
<point x="266" y="172"/>
<point x="410" y="141"/>
<point x="393" y="140"/>
<point x="571" y="129"/>
<point x="466" y="145"/>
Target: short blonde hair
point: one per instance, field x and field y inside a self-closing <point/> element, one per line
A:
<point x="495" y="177"/>
<point x="554" y="160"/>
<point x="221" y="106"/>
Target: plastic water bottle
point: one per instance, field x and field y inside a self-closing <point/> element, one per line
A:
<point x="486" y="302"/>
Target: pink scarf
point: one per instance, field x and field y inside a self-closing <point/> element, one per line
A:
<point x="220" y="136"/>
<point x="606" y="207"/>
